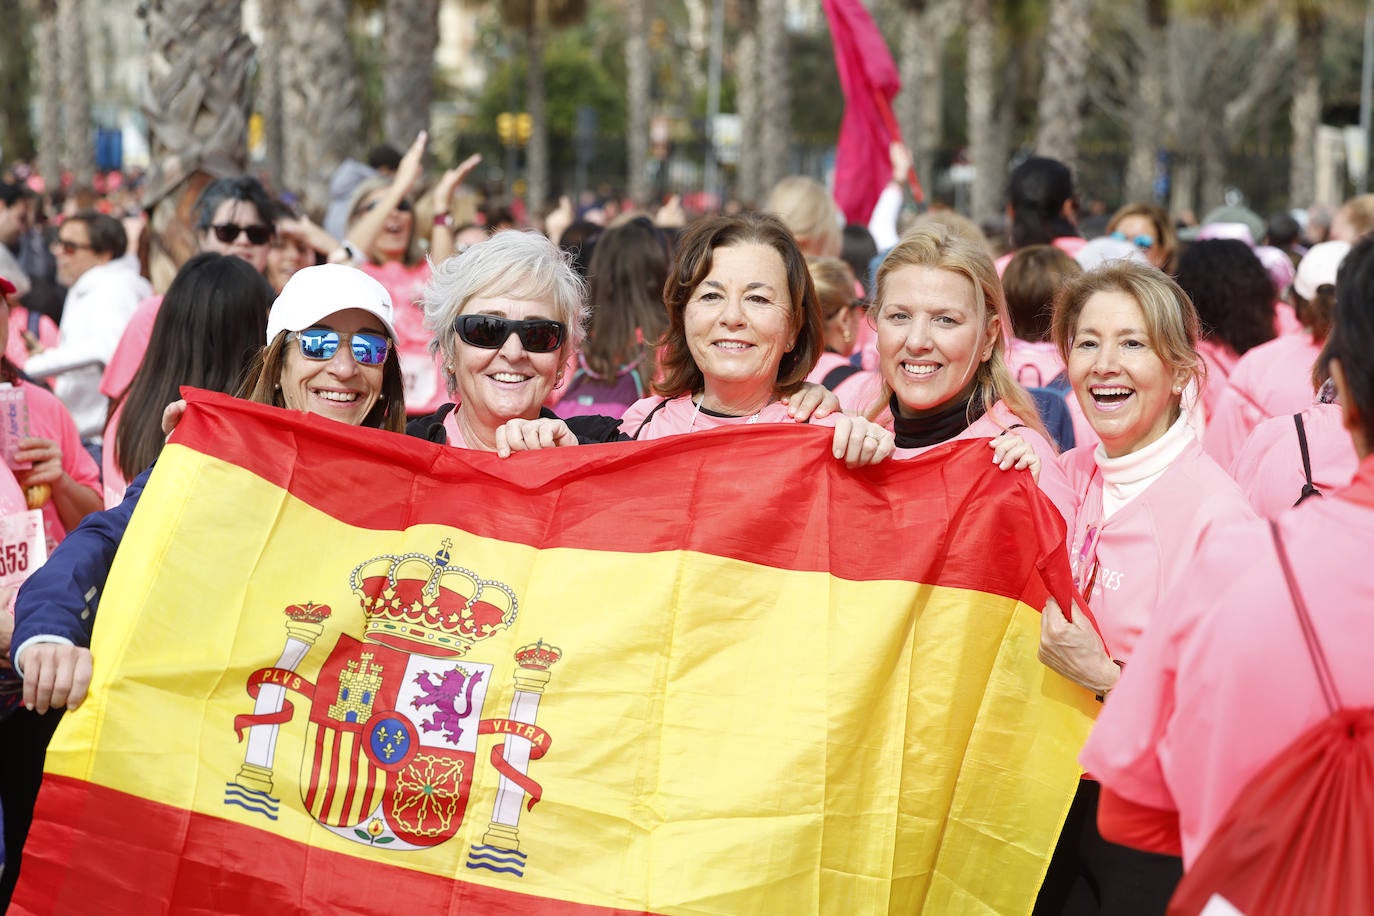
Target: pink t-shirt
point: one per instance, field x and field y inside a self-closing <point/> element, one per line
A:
<point x="1147" y="543"/>
<point x="1222" y="681"/>
<point x="1219" y="359"/>
<point x="110" y="477"/>
<point x="15" y="348"/>
<point x="857" y="392"/>
<point x="1053" y="483"/>
<point x="425" y="388"/>
<point x="1268" y="468"/>
<point x="128" y="354"/>
<point x="1270" y="380"/>
<point x="680" y="415"/>
<point x="1286" y="320"/>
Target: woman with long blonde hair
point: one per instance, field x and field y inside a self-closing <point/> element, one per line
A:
<point x="941" y="319"/>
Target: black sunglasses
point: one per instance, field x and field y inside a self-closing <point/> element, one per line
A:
<point x="228" y="233"/>
<point x="404" y="206"/>
<point x="537" y="335"/>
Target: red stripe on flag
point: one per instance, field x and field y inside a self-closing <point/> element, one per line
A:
<point x="683" y="491"/>
<point x="102" y="850"/>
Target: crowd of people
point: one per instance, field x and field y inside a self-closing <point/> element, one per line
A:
<point x="1173" y="389"/>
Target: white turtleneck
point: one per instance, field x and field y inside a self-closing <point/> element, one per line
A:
<point x="1125" y="478"/>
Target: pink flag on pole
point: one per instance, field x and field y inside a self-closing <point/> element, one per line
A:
<point x="869" y="80"/>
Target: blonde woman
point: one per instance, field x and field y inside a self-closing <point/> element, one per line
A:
<point x="941" y="320"/>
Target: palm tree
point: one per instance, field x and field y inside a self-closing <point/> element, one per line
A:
<point x="1063" y="87"/>
<point x="535" y="18"/>
<point x="199" y="63"/>
<point x="1305" y="115"/>
<point x="410" y="37"/>
<point x="925" y="28"/>
<point x="637" y="99"/>
<point x="49" y="94"/>
<point x="270" y="60"/>
<point x="79" y="150"/>
<point x="748" y="105"/>
<point x="1148" y="116"/>
<point x="775" y="139"/>
<point x="321" y="108"/>
<point x="988" y="164"/>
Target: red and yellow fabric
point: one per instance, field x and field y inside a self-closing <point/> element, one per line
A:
<point x="712" y="674"/>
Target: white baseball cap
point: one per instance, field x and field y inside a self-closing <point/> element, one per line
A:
<point x="1318" y="268"/>
<point x="314" y="293"/>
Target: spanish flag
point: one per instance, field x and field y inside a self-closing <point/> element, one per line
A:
<point x="343" y="671"/>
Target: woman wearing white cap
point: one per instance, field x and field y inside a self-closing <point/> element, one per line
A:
<point x="1274" y="379"/>
<point x="330" y="351"/>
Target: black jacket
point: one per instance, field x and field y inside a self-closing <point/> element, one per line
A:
<point x="588" y="430"/>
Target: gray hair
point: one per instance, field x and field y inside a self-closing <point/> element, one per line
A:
<point x="510" y="264"/>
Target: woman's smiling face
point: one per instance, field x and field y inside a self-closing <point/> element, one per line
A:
<point x="1128" y="393"/>
<point x="932" y="337"/>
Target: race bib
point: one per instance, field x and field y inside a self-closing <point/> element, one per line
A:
<point x="23" y="547"/>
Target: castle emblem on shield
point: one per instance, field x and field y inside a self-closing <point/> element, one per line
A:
<point x="391" y="739"/>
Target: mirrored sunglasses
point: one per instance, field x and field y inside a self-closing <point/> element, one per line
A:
<point x="228" y="233"/>
<point x="369" y="349"/>
<point x="1143" y="242"/>
<point x="537" y="335"/>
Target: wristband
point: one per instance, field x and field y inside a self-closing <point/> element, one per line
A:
<point x="444" y="220"/>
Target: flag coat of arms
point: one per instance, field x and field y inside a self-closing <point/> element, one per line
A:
<point x="339" y="670"/>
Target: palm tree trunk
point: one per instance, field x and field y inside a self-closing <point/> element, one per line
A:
<point x="410" y="37"/>
<point x="1148" y="121"/>
<point x="49" y="95"/>
<point x="320" y="97"/>
<point x="919" y="106"/>
<point x="79" y="152"/>
<point x="1305" y="115"/>
<point x="198" y="85"/>
<point x="1061" y="91"/>
<point x="270" y="58"/>
<point x="748" y="182"/>
<point x="776" y="115"/>
<point x="537" y="151"/>
<point x="637" y="100"/>
<point x="987" y="182"/>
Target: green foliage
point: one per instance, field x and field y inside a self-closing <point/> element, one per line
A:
<point x="16" y="84"/>
<point x="574" y="76"/>
<point x="817" y="103"/>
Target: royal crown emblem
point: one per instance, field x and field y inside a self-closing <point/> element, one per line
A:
<point x="391" y="740"/>
<point x="421" y="603"/>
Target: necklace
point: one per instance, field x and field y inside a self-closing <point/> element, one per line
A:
<point x="696" y="410"/>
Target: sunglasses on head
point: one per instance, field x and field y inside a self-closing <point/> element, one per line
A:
<point x="1143" y="242"/>
<point x="369" y="349"/>
<point x="537" y="335"/>
<point x="228" y="233"/>
<point x="404" y="206"/>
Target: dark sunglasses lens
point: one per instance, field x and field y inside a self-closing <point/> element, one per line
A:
<point x="541" y="336"/>
<point x="404" y="206"/>
<point x="485" y="331"/>
<point x="317" y="343"/>
<point x="369" y="349"/>
<point x="228" y="233"/>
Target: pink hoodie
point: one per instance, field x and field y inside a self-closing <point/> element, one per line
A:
<point x="1222" y="681"/>
<point x="1270" y="380"/>
<point x="1268" y="468"/>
